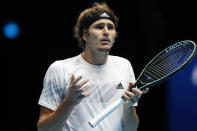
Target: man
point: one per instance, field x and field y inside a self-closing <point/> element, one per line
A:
<point x="77" y="88"/>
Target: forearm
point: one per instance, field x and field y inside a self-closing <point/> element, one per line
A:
<point x="130" y="120"/>
<point x="56" y="120"/>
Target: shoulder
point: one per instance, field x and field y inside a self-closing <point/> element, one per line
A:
<point x="120" y="62"/>
<point x="118" y="59"/>
<point x="61" y="69"/>
<point x="63" y="64"/>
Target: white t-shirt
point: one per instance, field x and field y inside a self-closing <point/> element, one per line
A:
<point x="107" y="83"/>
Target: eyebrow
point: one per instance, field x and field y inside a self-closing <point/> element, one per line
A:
<point x="104" y="24"/>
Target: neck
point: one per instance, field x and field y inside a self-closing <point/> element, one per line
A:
<point x="95" y="58"/>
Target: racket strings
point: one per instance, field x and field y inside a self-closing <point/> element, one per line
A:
<point x="171" y="63"/>
<point x="164" y="55"/>
<point x="166" y="63"/>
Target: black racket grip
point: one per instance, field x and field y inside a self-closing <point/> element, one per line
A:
<point x="133" y="86"/>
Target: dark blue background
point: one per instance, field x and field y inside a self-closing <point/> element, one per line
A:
<point x="181" y="97"/>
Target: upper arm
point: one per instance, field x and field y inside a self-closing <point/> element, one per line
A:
<point x="44" y="112"/>
<point x="54" y="87"/>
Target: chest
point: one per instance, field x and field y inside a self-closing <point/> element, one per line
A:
<point x="106" y="85"/>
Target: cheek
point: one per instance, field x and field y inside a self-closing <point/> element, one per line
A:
<point x="94" y="36"/>
<point x="113" y="40"/>
<point x="113" y="37"/>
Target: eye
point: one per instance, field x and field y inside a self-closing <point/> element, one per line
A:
<point x="110" y="26"/>
<point x="100" y="26"/>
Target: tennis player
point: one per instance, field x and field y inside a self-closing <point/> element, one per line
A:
<point x="76" y="89"/>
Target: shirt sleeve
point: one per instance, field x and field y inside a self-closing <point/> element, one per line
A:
<point x="54" y="86"/>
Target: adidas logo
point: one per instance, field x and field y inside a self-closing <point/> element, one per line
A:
<point x="119" y="86"/>
<point x="104" y="15"/>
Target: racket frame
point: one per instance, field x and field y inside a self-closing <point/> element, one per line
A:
<point x="164" y="78"/>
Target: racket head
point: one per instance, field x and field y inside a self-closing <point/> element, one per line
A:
<point x="168" y="62"/>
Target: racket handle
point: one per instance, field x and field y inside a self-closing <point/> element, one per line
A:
<point x="102" y="115"/>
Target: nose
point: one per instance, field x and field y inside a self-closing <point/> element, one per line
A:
<point x="105" y="31"/>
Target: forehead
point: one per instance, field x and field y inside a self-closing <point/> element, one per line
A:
<point x="106" y="21"/>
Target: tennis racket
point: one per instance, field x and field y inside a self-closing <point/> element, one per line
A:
<point x="163" y="66"/>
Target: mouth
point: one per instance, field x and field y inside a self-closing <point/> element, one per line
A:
<point x="105" y="41"/>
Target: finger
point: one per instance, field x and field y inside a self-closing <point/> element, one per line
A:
<point x="126" y="97"/>
<point x="138" y="94"/>
<point x="77" y="79"/>
<point x="85" y="95"/>
<point x="84" y="88"/>
<point x="72" y="79"/>
<point x="135" y="95"/>
<point x="129" y="94"/>
<point x="130" y="85"/>
<point x="82" y="83"/>
<point x="145" y="91"/>
<point x="136" y="91"/>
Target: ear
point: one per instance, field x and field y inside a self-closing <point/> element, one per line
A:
<point x="85" y="34"/>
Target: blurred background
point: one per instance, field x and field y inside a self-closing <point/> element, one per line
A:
<point x="34" y="35"/>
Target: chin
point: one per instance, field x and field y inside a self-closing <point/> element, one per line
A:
<point x="104" y="49"/>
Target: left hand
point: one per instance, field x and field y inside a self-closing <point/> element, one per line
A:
<point x="134" y="95"/>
